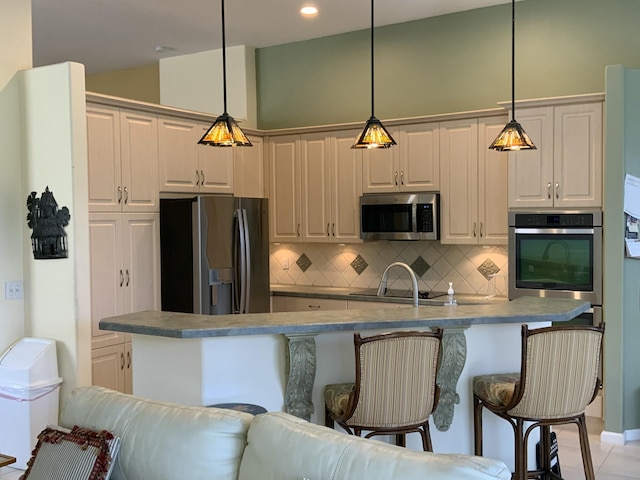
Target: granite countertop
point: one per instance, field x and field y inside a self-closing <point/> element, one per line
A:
<point x="351" y="293"/>
<point x="186" y="325"/>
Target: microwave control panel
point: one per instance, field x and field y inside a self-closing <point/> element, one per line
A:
<point x="424" y="217"/>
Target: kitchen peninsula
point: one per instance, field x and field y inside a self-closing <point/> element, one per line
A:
<point x="282" y="361"/>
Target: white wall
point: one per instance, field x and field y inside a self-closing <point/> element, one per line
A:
<point x="57" y="295"/>
<point x="15" y="55"/>
<point x="194" y="82"/>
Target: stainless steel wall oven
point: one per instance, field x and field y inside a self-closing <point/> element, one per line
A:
<point x="557" y="254"/>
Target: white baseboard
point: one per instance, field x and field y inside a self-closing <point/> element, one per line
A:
<point x="620" y="438"/>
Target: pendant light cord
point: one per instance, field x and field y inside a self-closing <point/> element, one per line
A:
<point x="513" y="59"/>
<point x="224" y="62"/>
<point x="372" y="90"/>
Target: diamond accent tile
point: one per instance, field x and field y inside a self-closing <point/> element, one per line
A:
<point x="303" y="262"/>
<point x="488" y="268"/>
<point x="359" y="264"/>
<point x="420" y="266"/>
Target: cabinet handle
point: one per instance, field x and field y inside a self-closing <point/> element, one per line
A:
<point x="127" y="275"/>
<point x="481" y="233"/>
<point x="314" y="307"/>
<point x="396" y="178"/>
<point x="202" y="177"/>
<point x="121" y="278"/>
<point x="333" y="229"/>
<point x="126" y="195"/>
<point x="557" y="190"/>
<point x="122" y="361"/>
<point x="197" y="178"/>
<point x="549" y="190"/>
<point x="298" y="230"/>
<point x="328" y="234"/>
<point x="128" y="360"/>
<point x="401" y="177"/>
<point x="474" y="229"/>
<point x="119" y="194"/>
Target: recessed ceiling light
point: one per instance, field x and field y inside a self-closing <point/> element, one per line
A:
<point x="309" y="11"/>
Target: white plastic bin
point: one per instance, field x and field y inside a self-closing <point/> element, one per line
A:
<point x="29" y="395"/>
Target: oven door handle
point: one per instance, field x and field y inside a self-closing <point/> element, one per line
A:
<point x="554" y="231"/>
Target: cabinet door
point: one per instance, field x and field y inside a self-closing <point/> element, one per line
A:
<point x="178" y="155"/>
<point x="419" y="158"/>
<point x="103" y="152"/>
<point x="139" y="153"/>
<point x="128" y="369"/>
<point x="141" y="263"/>
<point x="315" y="165"/>
<point x="578" y="155"/>
<point x="284" y="198"/>
<point x="459" y="184"/>
<point x="380" y="169"/>
<point x="346" y="180"/>
<point x="492" y="184"/>
<point x="248" y="170"/>
<point x="107" y="275"/>
<point x="531" y="171"/>
<point x="108" y="367"/>
<point x="216" y="166"/>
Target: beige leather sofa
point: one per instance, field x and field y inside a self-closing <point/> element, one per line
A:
<point x="163" y="441"/>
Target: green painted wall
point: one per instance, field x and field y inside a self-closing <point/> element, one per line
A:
<point x="622" y="275"/>
<point x="451" y="63"/>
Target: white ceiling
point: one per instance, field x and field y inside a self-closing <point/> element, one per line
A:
<point x="109" y="35"/>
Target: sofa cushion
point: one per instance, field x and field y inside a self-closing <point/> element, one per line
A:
<point x="162" y="441"/>
<point x="282" y="446"/>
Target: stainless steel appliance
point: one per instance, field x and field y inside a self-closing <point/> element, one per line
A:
<point x="557" y="254"/>
<point x="214" y="255"/>
<point x="400" y="216"/>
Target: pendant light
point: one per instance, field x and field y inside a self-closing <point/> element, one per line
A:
<point x="374" y="135"/>
<point x="513" y="136"/>
<point x="225" y="131"/>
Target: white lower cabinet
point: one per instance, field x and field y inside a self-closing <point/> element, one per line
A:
<point x="111" y="367"/>
<point x="125" y="278"/>
<point x="281" y="303"/>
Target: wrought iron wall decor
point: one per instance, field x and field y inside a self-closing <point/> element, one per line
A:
<point x="48" y="240"/>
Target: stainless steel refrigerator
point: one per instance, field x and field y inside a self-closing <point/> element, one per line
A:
<point x="214" y="255"/>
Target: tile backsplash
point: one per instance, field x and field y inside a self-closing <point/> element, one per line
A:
<point x="468" y="267"/>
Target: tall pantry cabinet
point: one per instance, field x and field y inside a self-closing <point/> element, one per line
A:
<point x="124" y="231"/>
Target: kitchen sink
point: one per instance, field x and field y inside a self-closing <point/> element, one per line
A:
<point x="398" y="293"/>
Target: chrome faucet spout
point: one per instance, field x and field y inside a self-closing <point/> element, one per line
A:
<point x="382" y="288"/>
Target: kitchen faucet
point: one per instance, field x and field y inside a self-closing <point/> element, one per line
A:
<point x="382" y="288"/>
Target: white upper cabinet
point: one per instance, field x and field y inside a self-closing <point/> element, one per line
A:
<point x="188" y="167"/>
<point x="284" y="198"/>
<point x="248" y="169"/>
<point x="473" y="182"/>
<point x="122" y="148"/>
<point x="566" y="169"/>
<point x="411" y="166"/>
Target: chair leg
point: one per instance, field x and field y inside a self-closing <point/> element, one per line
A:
<point x="584" y="447"/>
<point x="545" y="445"/>
<point x="477" y="425"/>
<point x="520" y="451"/>
<point x="426" y="441"/>
<point x="401" y="440"/>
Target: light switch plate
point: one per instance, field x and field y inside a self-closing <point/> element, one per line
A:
<point x="13" y="290"/>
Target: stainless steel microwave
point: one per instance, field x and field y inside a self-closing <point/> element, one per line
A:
<point x="400" y="216"/>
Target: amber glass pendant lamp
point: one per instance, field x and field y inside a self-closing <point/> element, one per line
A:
<point x="225" y="131"/>
<point x="374" y="135"/>
<point x="513" y="136"/>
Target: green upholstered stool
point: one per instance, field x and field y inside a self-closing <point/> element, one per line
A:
<point x="242" y="407"/>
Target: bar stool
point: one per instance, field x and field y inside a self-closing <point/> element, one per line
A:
<point x="558" y="378"/>
<point x="242" y="407"/>
<point x="395" y="390"/>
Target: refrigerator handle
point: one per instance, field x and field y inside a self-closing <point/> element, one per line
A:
<point x="242" y="259"/>
<point x="236" y="257"/>
<point x="247" y="262"/>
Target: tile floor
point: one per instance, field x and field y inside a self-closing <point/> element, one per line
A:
<point x="610" y="462"/>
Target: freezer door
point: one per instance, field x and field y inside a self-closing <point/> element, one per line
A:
<point x="256" y="221"/>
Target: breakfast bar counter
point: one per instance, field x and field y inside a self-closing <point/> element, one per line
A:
<point x="282" y="361"/>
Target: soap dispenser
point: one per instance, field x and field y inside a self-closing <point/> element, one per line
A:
<point x="451" y="300"/>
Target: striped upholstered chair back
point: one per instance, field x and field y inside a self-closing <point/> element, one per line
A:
<point x="395" y="379"/>
<point x="559" y="375"/>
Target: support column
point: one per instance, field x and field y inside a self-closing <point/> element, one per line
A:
<point x="301" y="366"/>
<point x="454" y="355"/>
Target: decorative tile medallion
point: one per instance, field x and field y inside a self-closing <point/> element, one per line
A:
<point x="488" y="268"/>
<point x="359" y="265"/>
<point x="303" y="262"/>
<point x="420" y="266"/>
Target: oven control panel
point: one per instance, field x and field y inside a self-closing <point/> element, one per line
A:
<point x="551" y="220"/>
